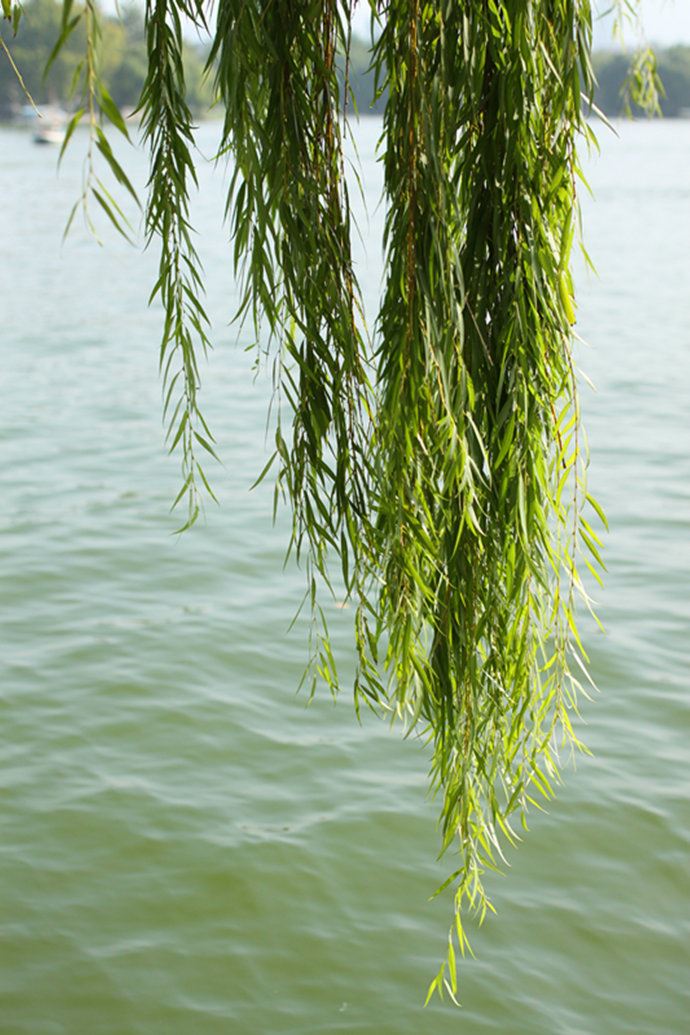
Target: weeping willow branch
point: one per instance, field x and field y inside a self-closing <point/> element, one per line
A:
<point x="92" y="102"/>
<point x="168" y="129"/>
<point x="290" y="218"/>
<point x="478" y="420"/>
<point x="12" y="13"/>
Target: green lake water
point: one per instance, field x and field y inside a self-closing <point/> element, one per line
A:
<point x="186" y="848"/>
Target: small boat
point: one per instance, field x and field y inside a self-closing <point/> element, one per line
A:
<point x="49" y="126"/>
<point x="50" y="134"/>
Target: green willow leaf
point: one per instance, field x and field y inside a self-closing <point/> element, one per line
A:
<point x="68" y="27"/>
<point x="111" y="111"/>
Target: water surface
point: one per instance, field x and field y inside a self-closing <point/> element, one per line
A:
<point x="186" y="847"/>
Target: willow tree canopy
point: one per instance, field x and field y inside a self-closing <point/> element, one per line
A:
<point x="435" y="458"/>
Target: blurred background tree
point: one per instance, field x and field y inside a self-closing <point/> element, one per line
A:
<point x="122" y="59"/>
<point x="124" y="64"/>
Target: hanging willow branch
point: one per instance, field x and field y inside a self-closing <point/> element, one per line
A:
<point x="169" y="132"/>
<point x="440" y="469"/>
<point x="478" y="444"/>
<point x="289" y="212"/>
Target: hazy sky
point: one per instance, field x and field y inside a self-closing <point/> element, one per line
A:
<point x="665" y="21"/>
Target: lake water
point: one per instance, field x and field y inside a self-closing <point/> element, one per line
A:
<point x="186" y="847"/>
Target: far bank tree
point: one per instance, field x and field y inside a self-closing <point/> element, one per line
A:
<point x="433" y="461"/>
<point x="122" y="59"/>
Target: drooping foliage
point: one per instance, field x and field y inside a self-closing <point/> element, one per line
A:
<point x="434" y="460"/>
<point x="479" y="436"/>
